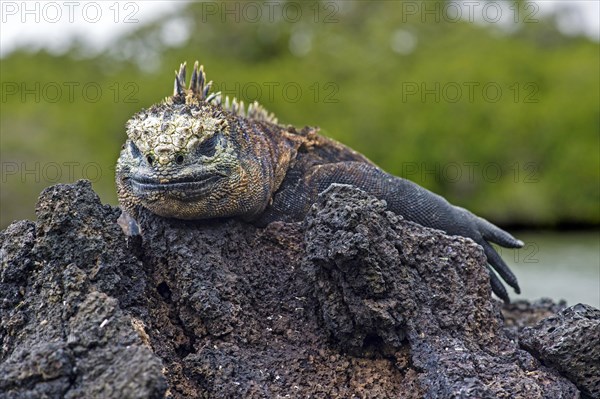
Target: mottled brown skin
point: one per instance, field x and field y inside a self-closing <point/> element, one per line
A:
<point x="192" y="157"/>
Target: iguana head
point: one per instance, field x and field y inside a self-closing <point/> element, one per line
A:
<point x="191" y="157"/>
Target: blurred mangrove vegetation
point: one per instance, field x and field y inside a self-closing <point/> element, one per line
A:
<point x="502" y="119"/>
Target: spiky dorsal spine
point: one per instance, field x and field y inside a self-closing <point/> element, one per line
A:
<point x="199" y="91"/>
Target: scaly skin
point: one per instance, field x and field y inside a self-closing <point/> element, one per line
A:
<point x="193" y="157"/>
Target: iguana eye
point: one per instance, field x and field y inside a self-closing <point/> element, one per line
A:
<point x="208" y="147"/>
<point x="134" y="150"/>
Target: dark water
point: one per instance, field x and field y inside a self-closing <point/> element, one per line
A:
<point x="558" y="265"/>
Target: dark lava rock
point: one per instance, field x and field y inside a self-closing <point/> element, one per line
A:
<point x="354" y="302"/>
<point x="521" y="314"/>
<point x="68" y="295"/>
<point x="570" y="342"/>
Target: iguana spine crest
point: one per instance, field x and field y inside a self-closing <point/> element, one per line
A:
<point x="199" y="91"/>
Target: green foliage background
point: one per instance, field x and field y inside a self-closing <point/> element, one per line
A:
<point x="534" y="159"/>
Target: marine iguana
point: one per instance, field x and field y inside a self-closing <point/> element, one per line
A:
<point x="195" y="156"/>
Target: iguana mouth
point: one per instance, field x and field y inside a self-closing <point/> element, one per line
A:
<point x="187" y="188"/>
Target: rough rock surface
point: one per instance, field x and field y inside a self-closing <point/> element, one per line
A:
<point x="69" y="297"/>
<point x="354" y="302"/>
<point x="521" y="314"/>
<point x="570" y="342"/>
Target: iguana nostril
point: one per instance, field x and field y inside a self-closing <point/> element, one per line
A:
<point x="150" y="159"/>
<point x="179" y="159"/>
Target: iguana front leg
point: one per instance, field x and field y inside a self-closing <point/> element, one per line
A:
<point x="407" y="199"/>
